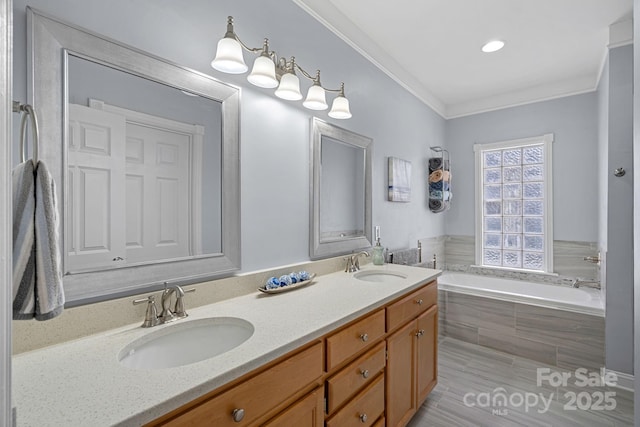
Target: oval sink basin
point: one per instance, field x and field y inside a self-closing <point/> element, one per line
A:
<point x="380" y="276"/>
<point x="185" y="343"/>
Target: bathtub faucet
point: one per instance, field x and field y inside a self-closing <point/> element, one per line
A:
<point x="577" y="282"/>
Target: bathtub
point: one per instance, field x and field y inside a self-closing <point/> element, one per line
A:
<point x="556" y="325"/>
<point x="578" y="300"/>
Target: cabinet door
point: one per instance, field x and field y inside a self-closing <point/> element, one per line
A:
<point x="427" y="362"/>
<point x="308" y="412"/>
<point x="400" y="377"/>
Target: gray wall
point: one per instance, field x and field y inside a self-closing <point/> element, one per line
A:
<point x="275" y="133"/>
<point x="575" y="182"/>
<point x="619" y="256"/>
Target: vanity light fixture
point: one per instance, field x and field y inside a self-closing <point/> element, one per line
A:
<point x="493" y="46"/>
<point x="270" y="71"/>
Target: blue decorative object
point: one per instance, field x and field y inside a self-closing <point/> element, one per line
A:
<point x="294" y="277"/>
<point x="285" y="280"/>
<point x="272" y="283"/>
<point x="303" y="275"/>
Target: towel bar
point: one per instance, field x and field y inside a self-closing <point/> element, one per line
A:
<point x="27" y="111"/>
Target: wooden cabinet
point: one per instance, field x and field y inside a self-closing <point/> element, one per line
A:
<point x="354" y="338"/>
<point x="374" y="371"/>
<point x="252" y="399"/>
<point x="411" y="371"/>
<point x="355" y="376"/>
<point x="364" y="409"/>
<point x="401" y="382"/>
<point x="427" y="358"/>
<point x="308" y="412"/>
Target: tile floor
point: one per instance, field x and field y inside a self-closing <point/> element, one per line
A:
<point x="477" y="375"/>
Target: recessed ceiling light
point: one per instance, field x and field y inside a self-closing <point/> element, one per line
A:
<point x="493" y="46"/>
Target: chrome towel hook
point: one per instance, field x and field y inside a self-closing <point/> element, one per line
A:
<point x="619" y="172"/>
<point x="27" y="111"/>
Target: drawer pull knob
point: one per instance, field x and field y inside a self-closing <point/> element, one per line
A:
<point x="363" y="418"/>
<point x="238" y="415"/>
<point x="419" y="301"/>
<point x="420" y="333"/>
<point x="364" y="373"/>
<point x="364" y="337"/>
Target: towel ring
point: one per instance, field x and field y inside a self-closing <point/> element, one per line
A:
<point x="29" y="112"/>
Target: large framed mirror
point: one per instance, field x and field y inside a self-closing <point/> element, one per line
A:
<point x="340" y="212"/>
<point x="145" y="155"/>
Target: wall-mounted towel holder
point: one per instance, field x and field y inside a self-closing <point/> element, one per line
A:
<point x="439" y="180"/>
<point x="27" y="112"/>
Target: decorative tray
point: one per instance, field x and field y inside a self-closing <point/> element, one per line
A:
<point x="289" y="287"/>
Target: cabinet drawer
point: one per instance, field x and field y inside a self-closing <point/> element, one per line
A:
<point x="258" y="395"/>
<point x="354" y="338"/>
<point x="355" y="376"/>
<point x="307" y="412"/>
<point x="380" y="423"/>
<point x="364" y="409"/>
<point x="411" y="306"/>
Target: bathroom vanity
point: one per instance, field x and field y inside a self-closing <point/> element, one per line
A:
<point x="340" y="351"/>
<point x="381" y="364"/>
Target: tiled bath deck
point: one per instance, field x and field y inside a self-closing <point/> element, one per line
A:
<point x="555" y="337"/>
<point x="469" y="370"/>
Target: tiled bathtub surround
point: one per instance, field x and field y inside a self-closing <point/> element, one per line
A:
<point x="555" y="337"/>
<point x="568" y="261"/>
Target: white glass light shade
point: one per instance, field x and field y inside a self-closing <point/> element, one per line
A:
<point x="316" y="98"/>
<point x="263" y="73"/>
<point x="340" y="108"/>
<point x="289" y="88"/>
<point x="229" y="57"/>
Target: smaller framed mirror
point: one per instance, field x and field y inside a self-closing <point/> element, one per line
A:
<point x="340" y="212"/>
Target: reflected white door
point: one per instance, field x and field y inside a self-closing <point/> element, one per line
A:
<point x="94" y="219"/>
<point x="157" y="193"/>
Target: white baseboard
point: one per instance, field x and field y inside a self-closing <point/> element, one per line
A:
<point x="625" y="381"/>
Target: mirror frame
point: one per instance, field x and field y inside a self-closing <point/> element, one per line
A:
<point x="51" y="41"/>
<point x="317" y="248"/>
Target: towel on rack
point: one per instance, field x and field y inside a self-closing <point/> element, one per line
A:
<point x="49" y="292"/>
<point x="435" y="163"/>
<point x="23" y="241"/>
<point x="435" y="176"/>
<point x="405" y="257"/>
<point x="435" y="194"/>
<point x="435" y="205"/>
<point x="435" y="186"/>
<point x="446" y="175"/>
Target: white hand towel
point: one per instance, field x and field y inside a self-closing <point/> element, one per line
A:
<point x="23" y="241"/>
<point x="48" y="288"/>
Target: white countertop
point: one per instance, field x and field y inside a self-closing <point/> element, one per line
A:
<point x="81" y="382"/>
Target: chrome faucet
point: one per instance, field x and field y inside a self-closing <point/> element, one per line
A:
<point x="575" y="283"/>
<point x="178" y="312"/>
<point x="353" y="262"/>
<point x="168" y="313"/>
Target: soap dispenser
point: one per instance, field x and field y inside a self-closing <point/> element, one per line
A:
<point x="378" y="250"/>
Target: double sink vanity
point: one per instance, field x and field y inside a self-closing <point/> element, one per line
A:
<point x="365" y="341"/>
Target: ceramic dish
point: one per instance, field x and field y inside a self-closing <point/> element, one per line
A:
<point x="288" y="288"/>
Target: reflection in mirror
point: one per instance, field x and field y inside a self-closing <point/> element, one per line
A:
<point x="143" y="170"/>
<point x="145" y="154"/>
<point x="341" y="191"/>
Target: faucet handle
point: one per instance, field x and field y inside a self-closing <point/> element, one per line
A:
<point x="179" y="310"/>
<point x="151" y="315"/>
<point x="350" y="268"/>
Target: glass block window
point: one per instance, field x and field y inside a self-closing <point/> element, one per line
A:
<point x="513" y="216"/>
